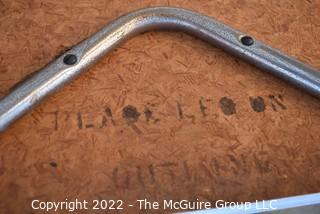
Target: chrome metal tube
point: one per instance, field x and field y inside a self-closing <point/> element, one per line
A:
<point x="87" y="52"/>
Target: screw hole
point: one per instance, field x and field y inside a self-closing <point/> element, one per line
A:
<point x="70" y="59"/>
<point x="247" y="40"/>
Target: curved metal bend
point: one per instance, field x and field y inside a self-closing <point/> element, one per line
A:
<point x="57" y="73"/>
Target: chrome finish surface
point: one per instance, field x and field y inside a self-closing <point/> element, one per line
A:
<point x="87" y="52"/>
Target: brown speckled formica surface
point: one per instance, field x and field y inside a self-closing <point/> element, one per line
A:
<point x="165" y="115"/>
